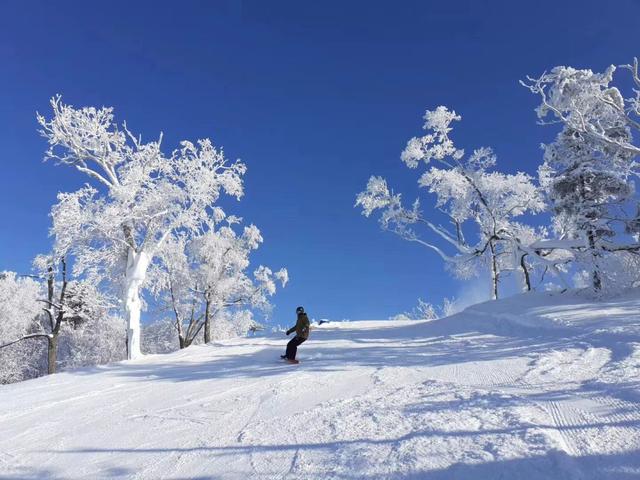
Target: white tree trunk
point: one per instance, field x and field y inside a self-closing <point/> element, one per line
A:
<point x="137" y="264"/>
<point x="494" y="271"/>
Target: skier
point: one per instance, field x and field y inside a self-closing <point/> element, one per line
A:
<point x="302" y="333"/>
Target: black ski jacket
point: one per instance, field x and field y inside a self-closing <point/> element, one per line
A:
<point x="302" y="326"/>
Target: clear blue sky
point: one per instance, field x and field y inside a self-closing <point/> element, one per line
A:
<point x="313" y="96"/>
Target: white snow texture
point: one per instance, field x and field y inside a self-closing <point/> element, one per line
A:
<point x="536" y="386"/>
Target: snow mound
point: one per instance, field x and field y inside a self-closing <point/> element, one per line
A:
<point x="532" y="387"/>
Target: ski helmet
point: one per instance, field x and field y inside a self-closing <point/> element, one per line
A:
<point x="299" y="310"/>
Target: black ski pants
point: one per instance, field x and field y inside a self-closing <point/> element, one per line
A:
<point x="292" y="346"/>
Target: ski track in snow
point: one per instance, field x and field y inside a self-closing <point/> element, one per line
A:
<point x="549" y="392"/>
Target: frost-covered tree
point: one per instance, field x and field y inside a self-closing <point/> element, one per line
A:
<point x="50" y="322"/>
<point x="222" y="257"/>
<point x="19" y="312"/>
<point x="91" y="334"/>
<point x="139" y="196"/>
<point x="587" y="192"/>
<point x="68" y="313"/>
<point x="56" y="308"/>
<point x="95" y="340"/>
<point x="588" y="170"/>
<point x="172" y="284"/>
<point x="589" y="104"/>
<point x="202" y="277"/>
<point x="422" y="311"/>
<point x="469" y="193"/>
<point x="159" y="336"/>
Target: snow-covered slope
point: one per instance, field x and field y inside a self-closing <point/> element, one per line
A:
<point x="532" y="387"/>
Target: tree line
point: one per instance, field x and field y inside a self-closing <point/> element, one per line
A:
<point x="146" y="228"/>
<point x="585" y="181"/>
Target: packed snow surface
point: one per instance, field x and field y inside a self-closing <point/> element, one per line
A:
<point x="532" y="387"/>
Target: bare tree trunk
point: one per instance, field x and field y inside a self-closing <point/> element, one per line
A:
<point x="52" y="338"/>
<point x="494" y="271"/>
<point x="595" y="272"/>
<point x="52" y="353"/>
<point x="525" y="272"/>
<point x="207" y="322"/>
<point x="179" y="327"/>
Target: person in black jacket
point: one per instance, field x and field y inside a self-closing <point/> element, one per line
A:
<point x="302" y="333"/>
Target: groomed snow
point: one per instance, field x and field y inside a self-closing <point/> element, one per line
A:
<point x="532" y="387"/>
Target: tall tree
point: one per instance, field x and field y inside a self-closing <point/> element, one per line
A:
<point x="468" y="193"/>
<point x="139" y="197"/>
<point x="202" y="277"/>
<point x="588" y="170"/>
<point x="223" y="260"/>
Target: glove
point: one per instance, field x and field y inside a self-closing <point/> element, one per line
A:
<point x="289" y="331"/>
